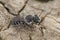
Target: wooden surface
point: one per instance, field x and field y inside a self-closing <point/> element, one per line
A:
<point x="48" y="11"/>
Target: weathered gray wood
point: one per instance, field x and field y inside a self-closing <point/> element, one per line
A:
<point x="48" y="12"/>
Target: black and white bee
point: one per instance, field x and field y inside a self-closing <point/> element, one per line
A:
<point x="28" y="20"/>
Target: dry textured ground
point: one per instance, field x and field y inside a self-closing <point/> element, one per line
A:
<point x="48" y="29"/>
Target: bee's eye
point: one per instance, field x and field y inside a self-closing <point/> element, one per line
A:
<point x="29" y="18"/>
<point x="36" y="19"/>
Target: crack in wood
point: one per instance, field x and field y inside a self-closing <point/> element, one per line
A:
<point x="1" y="38"/>
<point x="30" y="37"/>
<point x="7" y="8"/>
<point x="41" y="29"/>
<point x="45" y="16"/>
<point x="53" y="19"/>
<point x="22" y="7"/>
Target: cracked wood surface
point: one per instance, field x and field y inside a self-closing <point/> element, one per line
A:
<point x="48" y="12"/>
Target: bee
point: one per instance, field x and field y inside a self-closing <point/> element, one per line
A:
<point x="29" y="20"/>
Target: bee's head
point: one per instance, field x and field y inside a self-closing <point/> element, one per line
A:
<point x="36" y="19"/>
